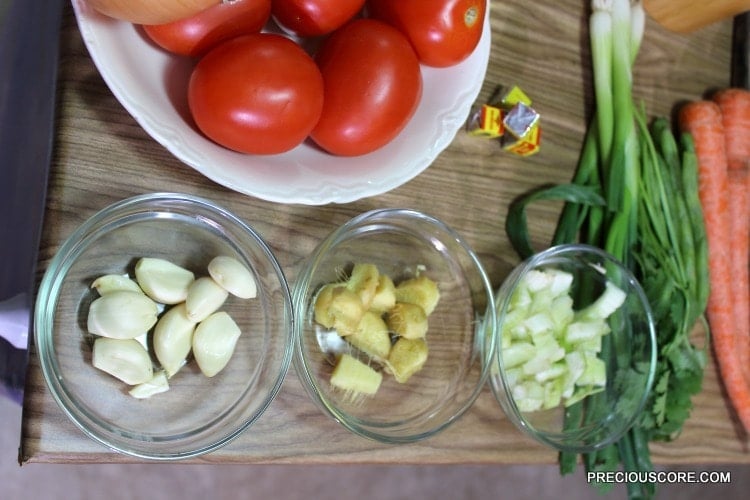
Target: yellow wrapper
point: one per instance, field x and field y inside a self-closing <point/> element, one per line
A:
<point x="526" y="146"/>
<point x="487" y="121"/>
<point x="513" y="96"/>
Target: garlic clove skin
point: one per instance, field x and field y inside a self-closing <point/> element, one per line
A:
<point x="162" y="280"/>
<point x="233" y="276"/>
<point x="214" y="342"/>
<point x="125" y="359"/>
<point x="109" y="283"/>
<point x="204" y="297"/>
<point x="121" y="314"/>
<point x="159" y="383"/>
<point x="173" y="338"/>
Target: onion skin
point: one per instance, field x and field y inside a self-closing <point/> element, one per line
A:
<point x="150" y="11"/>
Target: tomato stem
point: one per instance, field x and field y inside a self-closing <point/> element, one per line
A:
<point x="470" y="16"/>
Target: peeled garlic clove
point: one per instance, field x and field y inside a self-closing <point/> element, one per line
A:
<point x="114" y="282"/>
<point x="143" y="340"/>
<point x="233" y="276"/>
<point x="204" y="297"/>
<point x="214" y="341"/>
<point x="162" y="280"/>
<point x="158" y="384"/>
<point x="173" y="337"/>
<point x="121" y="314"/>
<point x="125" y="359"/>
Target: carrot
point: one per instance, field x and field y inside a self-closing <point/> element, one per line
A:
<point x="702" y="119"/>
<point x="739" y="216"/>
<point x="734" y="104"/>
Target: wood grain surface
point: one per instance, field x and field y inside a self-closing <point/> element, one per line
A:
<point x="102" y="155"/>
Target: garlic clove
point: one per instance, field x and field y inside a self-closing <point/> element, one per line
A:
<point x="125" y="359"/>
<point x="214" y="342"/>
<point x="204" y="297"/>
<point x="162" y="280"/>
<point x="173" y="337"/>
<point x="121" y="314"/>
<point x="233" y="276"/>
<point x="158" y="384"/>
<point x="143" y="340"/>
<point x="113" y="282"/>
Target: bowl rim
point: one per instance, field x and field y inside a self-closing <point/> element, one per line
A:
<point x="47" y="300"/>
<point x="501" y="303"/>
<point x="486" y="326"/>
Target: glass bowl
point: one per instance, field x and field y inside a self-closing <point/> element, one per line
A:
<point x="197" y="414"/>
<point x="402" y="244"/>
<point x="612" y="394"/>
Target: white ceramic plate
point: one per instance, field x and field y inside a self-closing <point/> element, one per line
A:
<point x="152" y="86"/>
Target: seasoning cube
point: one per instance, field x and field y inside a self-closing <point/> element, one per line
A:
<point x="526" y="146"/>
<point x="486" y="122"/>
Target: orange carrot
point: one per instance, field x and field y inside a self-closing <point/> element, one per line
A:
<point x="734" y="104"/>
<point x="702" y="119"/>
<point x="739" y="216"/>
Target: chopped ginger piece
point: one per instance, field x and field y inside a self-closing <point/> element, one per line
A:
<point x="407" y="320"/>
<point x="364" y="282"/>
<point x="322" y="309"/>
<point x="352" y="375"/>
<point x="407" y="357"/>
<point x="370" y="312"/>
<point x="385" y="295"/>
<point x="338" y="307"/>
<point x="372" y="336"/>
<point x="421" y="291"/>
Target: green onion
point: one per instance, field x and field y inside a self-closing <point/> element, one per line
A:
<point x="634" y="193"/>
<point x="600" y="27"/>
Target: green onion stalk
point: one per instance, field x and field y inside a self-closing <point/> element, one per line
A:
<point x="634" y="193"/>
<point x="614" y="40"/>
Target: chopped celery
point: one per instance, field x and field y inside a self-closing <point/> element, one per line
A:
<point x="537" y="280"/>
<point x="550" y="350"/>
<point x="595" y="372"/>
<point x="517" y="354"/>
<point x="528" y="395"/>
<point x="581" y="331"/>
<point x="552" y="394"/>
<point x="607" y="303"/>
<point x="554" y="372"/>
<point x="582" y="392"/>
<point x="561" y="311"/>
<point x="539" y="323"/>
<point x="535" y="365"/>
<point x="560" y="283"/>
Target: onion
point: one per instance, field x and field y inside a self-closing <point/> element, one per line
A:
<point x="150" y="11"/>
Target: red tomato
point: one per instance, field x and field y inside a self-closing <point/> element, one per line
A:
<point x="372" y="85"/>
<point x="195" y="35"/>
<point x="314" y="17"/>
<point x="259" y="94"/>
<point x="443" y="32"/>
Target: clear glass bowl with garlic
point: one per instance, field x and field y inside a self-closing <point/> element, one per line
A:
<point x="164" y="326"/>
